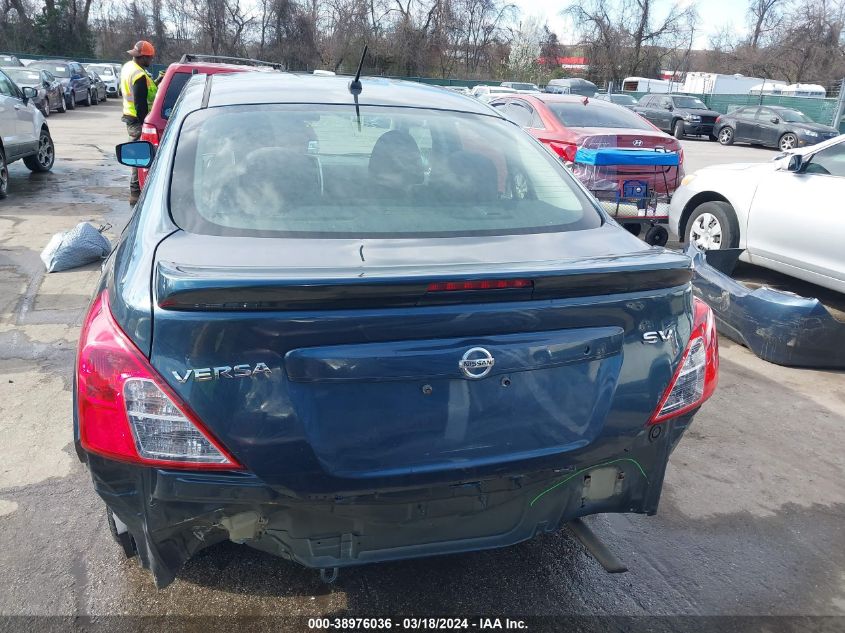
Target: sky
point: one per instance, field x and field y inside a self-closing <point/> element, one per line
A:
<point x="713" y="16"/>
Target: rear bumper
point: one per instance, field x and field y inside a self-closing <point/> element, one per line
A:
<point x="173" y="514"/>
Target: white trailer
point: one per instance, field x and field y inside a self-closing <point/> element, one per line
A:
<point x="700" y="83"/>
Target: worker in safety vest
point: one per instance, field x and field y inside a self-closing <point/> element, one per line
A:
<point x="139" y="89"/>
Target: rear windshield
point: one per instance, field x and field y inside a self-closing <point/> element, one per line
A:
<point x="58" y="70"/>
<point x="174" y="89"/>
<point x="319" y="171"/>
<point x="24" y="77"/>
<point x="578" y="114"/>
<point x="623" y="99"/>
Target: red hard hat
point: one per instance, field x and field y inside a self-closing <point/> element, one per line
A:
<point x="143" y="49"/>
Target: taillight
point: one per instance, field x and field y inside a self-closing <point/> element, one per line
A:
<point x="126" y="411"/>
<point x="484" y="284"/>
<point x="149" y="133"/>
<point x="696" y="377"/>
<point x="565" y="150"/>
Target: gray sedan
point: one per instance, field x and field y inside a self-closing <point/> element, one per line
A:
<point x="775" y="126"/>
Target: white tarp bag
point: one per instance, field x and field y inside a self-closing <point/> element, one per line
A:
<point x="81" y="245"/>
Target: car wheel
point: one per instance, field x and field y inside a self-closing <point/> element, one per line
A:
<point x="4" y="174"/>
<point x="787" y="142"/>
<point x="713" y="226"/>
<point x="71" y="104"/>
<point x="42" y="160"/>
<point x="62" y="105"/>
<point x="121" y="535"/>
<point x="678" y="129"/>
<point x="88" y="100"/>
<point x="45" y="108"/>
<point x="95" y="98"/>
<point x="726" y="136"/>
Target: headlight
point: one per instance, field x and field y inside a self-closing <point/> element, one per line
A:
<point x="810" y="133"/>
<point x="688" y="179"/>
<point x="692" y="117"/>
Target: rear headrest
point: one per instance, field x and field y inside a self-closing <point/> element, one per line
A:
<point x="470" y="177"/>
<point x="275" y="179"/>
<point x="396" y="162"/>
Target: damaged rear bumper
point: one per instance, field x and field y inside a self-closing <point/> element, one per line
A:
<point x="779" y="327"/>
<point x="173" y="514"/>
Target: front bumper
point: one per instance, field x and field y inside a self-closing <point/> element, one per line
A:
<point x="173" y="514"/>
<point x="695" y="128"/>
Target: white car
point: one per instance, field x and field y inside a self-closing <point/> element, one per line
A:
<point x="488" y="93"/>
<point x="788" y="214"/>
<point x="23" y="131"/>
<point x="110" y="77"/>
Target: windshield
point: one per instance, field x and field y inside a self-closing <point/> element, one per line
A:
<point x="24" y="77"/>
<point x="313" y="170"/>
<point x="689" y="102"/>
<point x="598" y="114"/>
<point x="102" y="70"/>
<point x="793" y="116"/>
<point x="623" y="99"/>
<point x="59" y="70"/>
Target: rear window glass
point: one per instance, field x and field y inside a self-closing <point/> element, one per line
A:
<point x="578" y="114"/>
<point x="174" y="89"/>
<point x="27" y="77"/>
<point x="317" y="171"/>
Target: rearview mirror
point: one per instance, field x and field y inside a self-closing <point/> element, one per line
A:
<point x="774" y="119"/>
<point x="135" y="154"/>
<point x="794" y="164"/>
<point x="29" y="93"/>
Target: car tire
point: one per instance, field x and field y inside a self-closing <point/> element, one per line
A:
<point x="678" y="129"/>
<point x="62" y="105"/>
<point x="95" y="98"/>
<point x="42" y="160"/>
<point x="726" y="135"/>
<point x="45" y="110"/>
<point x="787" y="142"/>
<point x="71" y="104"/>
<point x="4" y="175"/>
<point x="712" y="226"/>
<point x="124" y="539"/>
<point x="88" y="101"/>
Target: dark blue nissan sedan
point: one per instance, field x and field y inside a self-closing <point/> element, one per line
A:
<point x="346" y="329"/>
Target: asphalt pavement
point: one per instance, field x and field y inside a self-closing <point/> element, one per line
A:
<point x="752" y="519"/>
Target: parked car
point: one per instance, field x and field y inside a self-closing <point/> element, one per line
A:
<point x="24" y="134"/>
<point x="8" y="60"/>
<point x="565" y="123"/>
<point x="50" y="92"/>
<point x="520" y="86"/>
<point x="786" y="214"/>
<point x="74" y="78"/>
<point x="175" y="78"/>
<point x="417" y="342"/>
<point x="486" y="93"/>
<point x="680" y="115"/>
<point x="618" y="98"/>
<point x="572" y="86"/>
<point x="774" y="126"/>
<point x="99" y="92"/>
<point x="109" y="75"/>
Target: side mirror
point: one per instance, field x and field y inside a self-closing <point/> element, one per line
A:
<point x="135" y="154"/>
<point x="669" y="107"/>
<point x="795" y="163"/>
<point x="774" y="119"/>
<point x="29" y="93"/>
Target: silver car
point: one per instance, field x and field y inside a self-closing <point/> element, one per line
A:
<point x="787" y="214"/>
<point x="110" y="77"/>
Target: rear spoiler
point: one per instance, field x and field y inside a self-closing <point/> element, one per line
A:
<point x="190" y="288"/>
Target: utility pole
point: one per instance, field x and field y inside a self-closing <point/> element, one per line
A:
<point x="840" y="106"/>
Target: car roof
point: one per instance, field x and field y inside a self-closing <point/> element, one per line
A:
<point x="215" y="67"/>
<point x="281" y="87"/>
<point x="52" y="61"/>
<point x="550" y="97"/>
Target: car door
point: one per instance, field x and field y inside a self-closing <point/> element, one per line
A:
<point x="9" y="118"/>
<point x="746" y="124"/>
<point x="797" y="220"/>
<point x="649" y="109"/>
<point x="768" y="131"/>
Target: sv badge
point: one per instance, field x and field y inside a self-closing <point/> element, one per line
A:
<point x="225" y="371"/>
<point x="660" y="335"/>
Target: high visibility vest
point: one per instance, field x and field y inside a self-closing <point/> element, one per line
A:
<point x="128" y="76"/>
